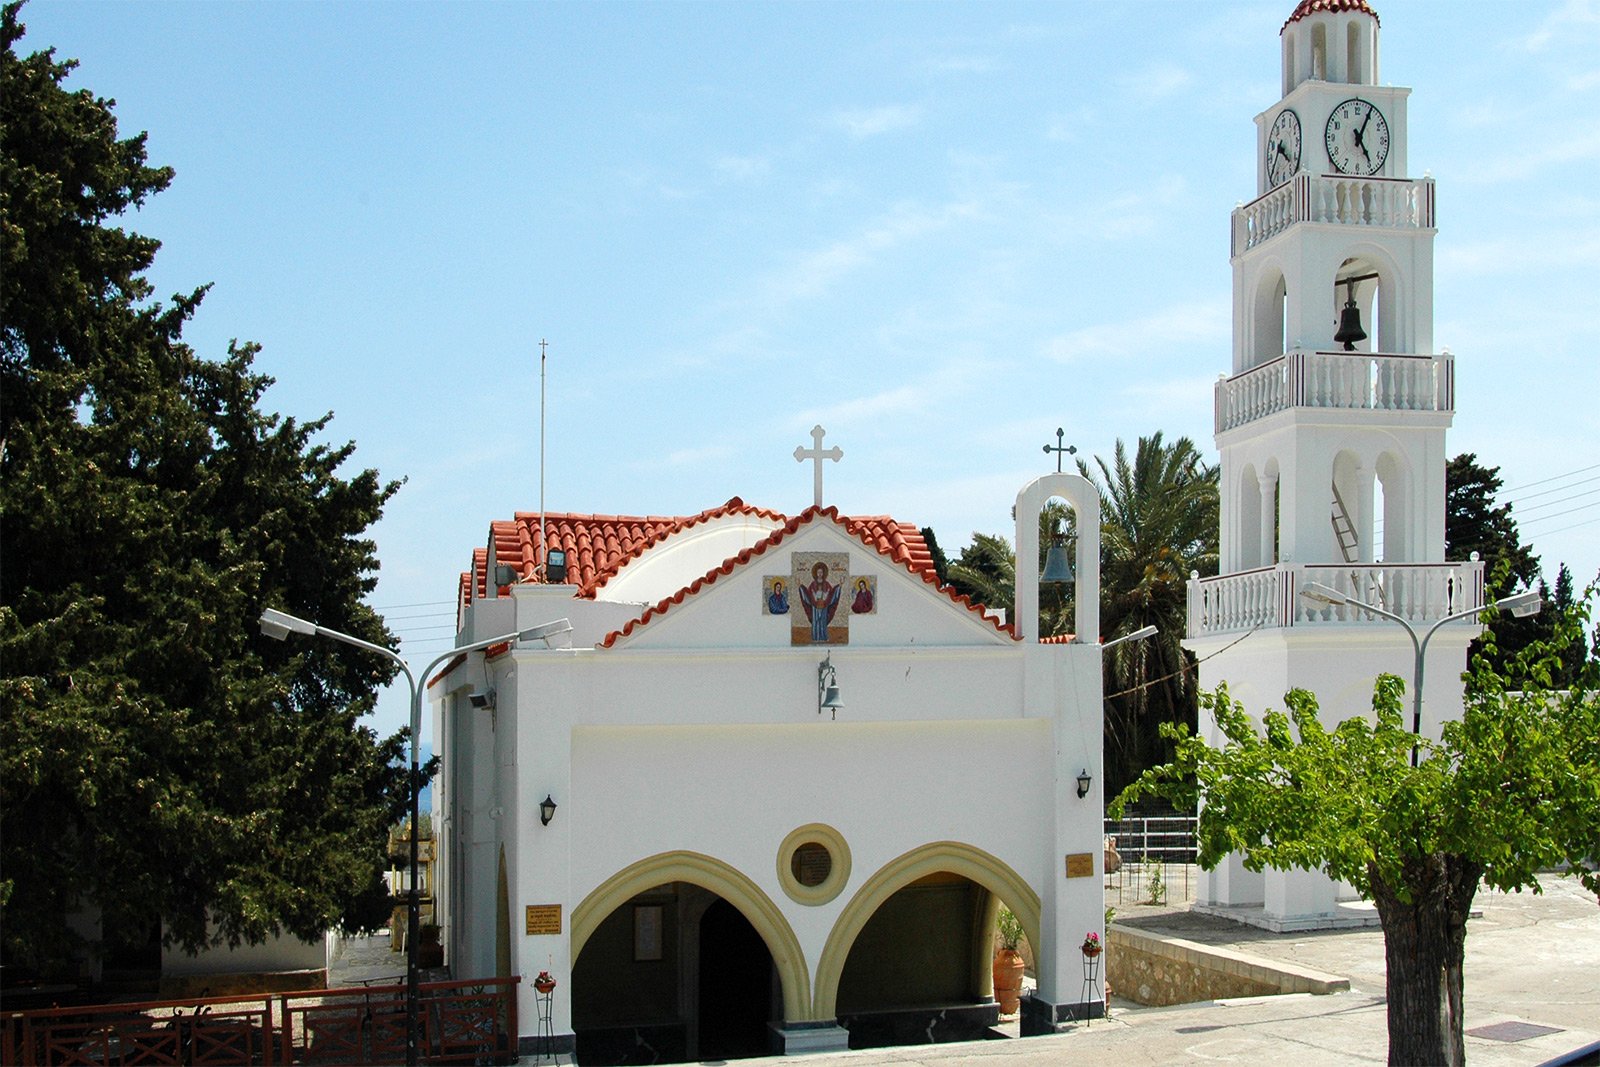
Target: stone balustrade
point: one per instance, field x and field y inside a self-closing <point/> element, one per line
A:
<point x="1270" y="596"/>
<point x="1346" y="380"/>
<point x="1403" y="203"/>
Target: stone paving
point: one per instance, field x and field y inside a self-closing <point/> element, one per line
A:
<point x="1532" y="994"/>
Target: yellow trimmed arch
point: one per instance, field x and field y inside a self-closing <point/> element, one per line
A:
<point x="940" y="856"/>
<point x="723" y="880"/>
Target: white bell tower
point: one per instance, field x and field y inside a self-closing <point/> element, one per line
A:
<point x="1331" y="426"/>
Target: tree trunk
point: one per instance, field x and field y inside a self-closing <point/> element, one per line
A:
<point x="1424" y="941"/>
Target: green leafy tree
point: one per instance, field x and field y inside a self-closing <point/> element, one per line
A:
<point x="161" y="762"/>
<point x="1159" y="523"/>
<point x="1510" y="789"/>
<point x="1473" y="522"/>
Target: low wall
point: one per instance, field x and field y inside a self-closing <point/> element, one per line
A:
<point x="1154" y="970"/>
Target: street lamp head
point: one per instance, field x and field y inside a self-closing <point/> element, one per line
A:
<point x="1323" y="594"/>
<point x="1138" y="635"/>
<point x="1521" y="605"/>
<point x="545" y="631"/>
<point x="278" y="625"/>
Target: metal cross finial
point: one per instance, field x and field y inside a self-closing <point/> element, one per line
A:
<point x="817" y="454"/>
<point x="1059" y="450"/>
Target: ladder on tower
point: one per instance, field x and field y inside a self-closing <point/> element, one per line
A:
<point x="1344" y="531"/>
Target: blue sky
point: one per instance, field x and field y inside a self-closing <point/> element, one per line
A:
<point x="941" y="230"/>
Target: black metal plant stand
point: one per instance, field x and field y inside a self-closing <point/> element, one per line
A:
<point x="1091" y="986"/>
<point x="545" y="1039"/>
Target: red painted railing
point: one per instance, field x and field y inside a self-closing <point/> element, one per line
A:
<point x="473" y="1021"/>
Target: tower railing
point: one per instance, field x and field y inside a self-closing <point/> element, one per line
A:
<point x="1269" y="597"/>
<point x="1370" y="381"/>
<point x="1397" y="203"/>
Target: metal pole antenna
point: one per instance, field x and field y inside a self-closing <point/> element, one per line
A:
<point x="543" y="544"/>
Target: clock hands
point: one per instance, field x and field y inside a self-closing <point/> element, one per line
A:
<point x="1357" y="131"/>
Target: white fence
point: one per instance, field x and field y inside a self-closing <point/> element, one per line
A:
<point x="1396" y="203"/>
<point x="1341" y="380"/>
<point x="1270" y="596"/>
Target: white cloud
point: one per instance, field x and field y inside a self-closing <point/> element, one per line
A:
<point x="1179" y="324"/>
<point x="743" y="168"/>
<point x="1575" y="16"/>
<point x="964" y="65"/>
<point x="1577" y="146"/>
<point x="818" y="270"/>
<point x="1157" y="82"/>
<point x="901" y="400"/>
<point x="690" y="457"/>
<point x="862" y="123"/>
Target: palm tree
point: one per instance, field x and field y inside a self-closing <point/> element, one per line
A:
<point x="1158" y="523"/>
<point x="986" y="572"/>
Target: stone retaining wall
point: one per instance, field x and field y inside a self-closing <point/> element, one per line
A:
<point x="1154" y="970"/>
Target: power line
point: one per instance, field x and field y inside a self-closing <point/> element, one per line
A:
<point x="419" y="604"/>
<point x="1557" y="489"/>
<point x="1564" y="500"/>
<point x="1569" y="511"/>
<point x="1552" y="478"/>
<point x="1574" y="526"/>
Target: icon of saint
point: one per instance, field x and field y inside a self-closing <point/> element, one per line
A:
<point x="820" y="599"/>
<point x="777" y="599"/>
<point x="862" y="604"/>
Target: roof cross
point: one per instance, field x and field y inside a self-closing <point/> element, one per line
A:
<point x="1060" y="451"/>
<point x="817" y="454"/>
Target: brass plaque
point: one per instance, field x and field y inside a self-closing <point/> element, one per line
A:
<point x="1080" y="865"/>
<point x="544" y="918"/>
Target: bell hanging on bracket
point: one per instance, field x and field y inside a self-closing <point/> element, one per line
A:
<point x="1057" y="563"/>
<point x="1350" y="330"/>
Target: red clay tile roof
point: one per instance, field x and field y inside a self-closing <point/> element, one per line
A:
<point x="900" y="542"/>
<point x="598" y="546"/>
<point x="1314" y="7"/>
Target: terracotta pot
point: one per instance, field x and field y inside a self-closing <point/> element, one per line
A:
<point x="548" y="985"/>
<point x="1092" y="950"/>
<point x="1008" y="968"/>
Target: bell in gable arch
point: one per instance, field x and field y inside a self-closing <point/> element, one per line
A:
<point x="1057" y="563"/>
<point x="1350" y="330"/>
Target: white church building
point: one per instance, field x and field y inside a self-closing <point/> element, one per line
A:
<point x="1331" y="425"/>
<point x="760" y="738"/>
<point x="731" y="808"/>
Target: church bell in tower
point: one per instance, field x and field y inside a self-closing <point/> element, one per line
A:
<point x="1350" y="330"/>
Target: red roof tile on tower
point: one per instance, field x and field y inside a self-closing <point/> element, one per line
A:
<point x="1307" y="8"/>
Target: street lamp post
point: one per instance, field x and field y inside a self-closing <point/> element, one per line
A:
<point x="1527" y="602"/>
<point x="279" y="625"/>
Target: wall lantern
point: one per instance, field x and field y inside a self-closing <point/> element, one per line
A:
<point x="547" y="810"/>
<point x="482" y="698"/>
<point x="828" y="687"/>
<point x="1083" y="783"/>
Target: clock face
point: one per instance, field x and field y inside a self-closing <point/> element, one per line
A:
<point x="1283" y="148"/>
<point x="1357" y="137"/>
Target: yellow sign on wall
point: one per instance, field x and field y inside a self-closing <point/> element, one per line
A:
<point x="1080" y="865"/>
<point x="544" y="918"/>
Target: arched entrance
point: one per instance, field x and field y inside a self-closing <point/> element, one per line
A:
<point x="736" y="987"/>
<point x="909" y="959"/>
<point x="644" y="942"/>
<point x="675" y="974"/>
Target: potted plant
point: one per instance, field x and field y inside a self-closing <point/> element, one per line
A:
<point x="430" y="949"/>
<point x="1091" y="944"/>
<point x="544" y="983"/>
<point x="1008" y="964"/>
